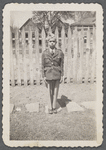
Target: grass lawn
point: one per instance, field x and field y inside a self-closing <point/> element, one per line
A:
<point x="76" y="125"/>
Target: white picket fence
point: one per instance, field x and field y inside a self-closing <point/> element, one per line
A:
<point x="78" y="46"/>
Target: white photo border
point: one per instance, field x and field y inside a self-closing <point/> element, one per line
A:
<point x="6" y="71"/>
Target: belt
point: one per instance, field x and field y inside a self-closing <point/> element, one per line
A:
<point x="52" y="67"/>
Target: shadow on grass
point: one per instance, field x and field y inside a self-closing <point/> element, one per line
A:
<point x="63" y="101"/>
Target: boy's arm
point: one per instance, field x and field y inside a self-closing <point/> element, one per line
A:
<point x="43" y="73"/>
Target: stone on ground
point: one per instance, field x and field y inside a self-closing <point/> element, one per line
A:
<point x="11" y="107"/>
<point x="46" y="109"/>
<point x="89" y="105"/>
<point x="18" y="109"/>
<point x="72" y="106"/>
<point x="32" y="107"/>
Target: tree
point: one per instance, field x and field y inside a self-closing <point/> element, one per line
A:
<point x="80" y="15"/>
<point x="51" y="18"/>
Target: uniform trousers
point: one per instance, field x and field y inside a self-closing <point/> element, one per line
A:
<point x="53" y="88"/>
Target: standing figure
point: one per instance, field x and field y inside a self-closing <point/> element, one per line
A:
<point x="52" y="71"/>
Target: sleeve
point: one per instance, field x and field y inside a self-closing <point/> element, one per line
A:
<point x="43" y="74"/>
<point x="62" y="64"/>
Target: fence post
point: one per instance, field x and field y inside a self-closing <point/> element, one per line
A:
<point x="93" y="55"/>
<point x="24" y="56"/>
<point x="43" y="47"/>
<point x="81" y="56"/>
<point x="30" y="56"/>
<point x="75" y="57"/>
<point x="37" y="56"/>
<point x="57" y="37"/>
<point x="11" y="61"/>
<point x="69" y="56"/>
<point x="78" y="59"/>
<point x="43" y="40"/>
<point x="87" y="55"/>
<point x="18" y="58"/>
<point x="63" y="49"/>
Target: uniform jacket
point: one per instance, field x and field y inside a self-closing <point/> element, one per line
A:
<point x="52" y="65"/>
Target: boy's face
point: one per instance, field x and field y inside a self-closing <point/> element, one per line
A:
<point x="52" y="43"/>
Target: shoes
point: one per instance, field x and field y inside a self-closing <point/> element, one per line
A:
<point x="50" y="111"/>
<point x="54" y="110"/>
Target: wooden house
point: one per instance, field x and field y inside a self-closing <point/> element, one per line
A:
<point x="29" y="25"/>
<point x="85" y="24"/>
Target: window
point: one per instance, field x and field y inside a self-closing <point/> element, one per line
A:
<point x="33" y="35"/>
<point x="85" y="39"/>
<point x="85" y="35"/>
<point x="26" y="35"/>
<point x="13" y="35"/>
<point x="40" y="42"/>
<point x="13" y="43"/>
<point x="66" y="35"/>
<point x="33" y="39"/>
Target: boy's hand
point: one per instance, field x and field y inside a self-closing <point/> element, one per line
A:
<point x="45" y="80"/>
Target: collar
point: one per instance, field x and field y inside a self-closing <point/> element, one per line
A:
<point x="55" y="53"/>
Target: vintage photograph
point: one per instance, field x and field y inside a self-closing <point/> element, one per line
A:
<point x="53" y="64"/>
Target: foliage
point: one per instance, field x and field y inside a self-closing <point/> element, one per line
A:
<point x="48" y="19"/>
<point x="80" y="15"/>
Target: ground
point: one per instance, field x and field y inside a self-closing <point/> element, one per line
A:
<point x="65" y="125"/>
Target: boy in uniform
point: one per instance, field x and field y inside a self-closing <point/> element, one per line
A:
<point x="52" y="71"/>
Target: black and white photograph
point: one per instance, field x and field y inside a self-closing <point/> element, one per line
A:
<point x="52" y="75"/>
